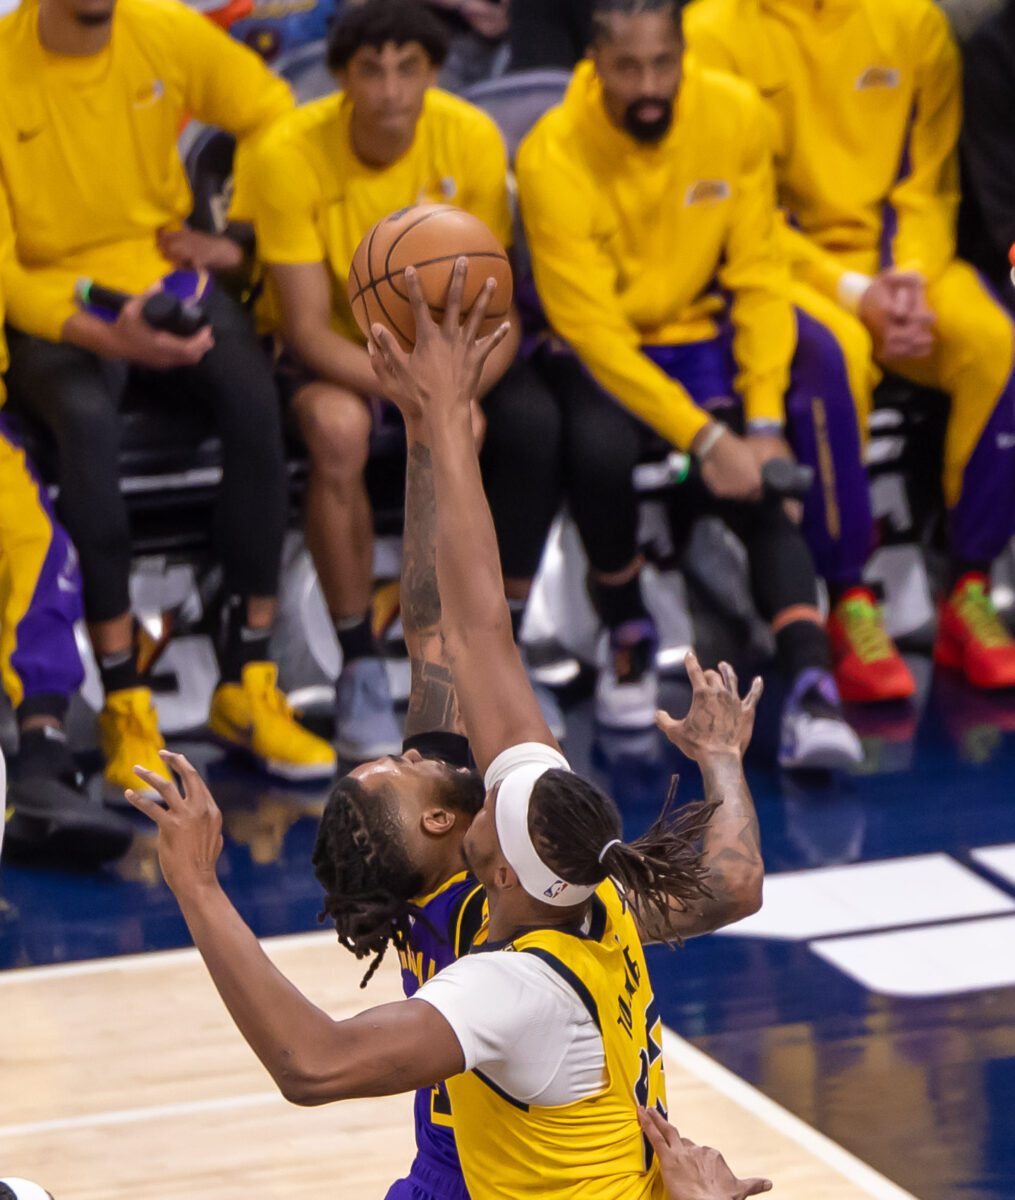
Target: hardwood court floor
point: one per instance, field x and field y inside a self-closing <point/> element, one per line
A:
<point x="124" y="1079"/>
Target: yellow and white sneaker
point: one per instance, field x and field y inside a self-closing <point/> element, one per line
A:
<point x="255" y="716"/>
<point x="129" y="735"/>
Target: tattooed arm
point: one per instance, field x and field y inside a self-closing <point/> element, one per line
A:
<point x="715" y="733"/>
<point x="433" y="705"/>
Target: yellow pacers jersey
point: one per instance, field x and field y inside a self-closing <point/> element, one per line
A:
<point x="311" y="199"/>
<point x="634" y="244"/>
<point x="593" y="1147"/>
<point x="88" y="154"/>
<point x="865" y="108"/>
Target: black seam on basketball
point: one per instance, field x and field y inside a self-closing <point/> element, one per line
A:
<point x="389" y="276"/>
<point x="396" y="328"/>
<point x="408" y="229"/>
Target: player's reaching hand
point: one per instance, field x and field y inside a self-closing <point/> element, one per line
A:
<point x="189" y="824"/>
<point x="718" y="721"/>
<point x="441" y="376"/>
<point x="692" y="1172"/>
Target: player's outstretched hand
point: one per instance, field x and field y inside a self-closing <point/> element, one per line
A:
<point x="189" y="824"/>
<point x="718" y="721"/>
<point x="441" y="376"/>
<point x="693" y="1172"/>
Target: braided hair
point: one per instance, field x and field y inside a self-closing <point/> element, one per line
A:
<point x="571" y="821"/>
<point x="361" y="861"/>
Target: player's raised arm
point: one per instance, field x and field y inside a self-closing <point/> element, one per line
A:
<point x="715" y="734"/>
<point x="435" y="386"/>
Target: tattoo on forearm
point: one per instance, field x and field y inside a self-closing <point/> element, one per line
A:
<point x="433" y="704"/>
<point x="733" y="841"/>
<point x="421" y="601"/>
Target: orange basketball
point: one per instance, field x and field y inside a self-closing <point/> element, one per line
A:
<point x="428" y="237"/>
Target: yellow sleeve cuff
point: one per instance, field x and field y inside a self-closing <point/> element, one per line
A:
<point x="765" y="404"/>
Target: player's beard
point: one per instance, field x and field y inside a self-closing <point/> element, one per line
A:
<point x="648" y="131"/>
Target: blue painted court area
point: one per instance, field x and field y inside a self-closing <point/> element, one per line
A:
<point x="873" y="996"/>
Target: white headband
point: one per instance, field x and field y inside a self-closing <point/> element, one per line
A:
<point x="24" y="1189"/>
<point x="512" y="815"/>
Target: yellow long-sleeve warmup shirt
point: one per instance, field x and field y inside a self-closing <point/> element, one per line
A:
<point x="632" y="245"/>
<point x="89" y="167"/>
<point x="865" y="107"/>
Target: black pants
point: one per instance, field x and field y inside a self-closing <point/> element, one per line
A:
<point x="521" y="462"/>
<point x="602" y="443"/>
<point x="78" y="396"/>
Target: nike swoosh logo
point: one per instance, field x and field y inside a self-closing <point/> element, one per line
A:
<point x="26" y="135"/>
<point x="243" y="733"/>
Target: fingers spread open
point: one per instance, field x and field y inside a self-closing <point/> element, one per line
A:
<point x="694" y="672"/>
<point x="186" y="770"/>
<point x="146" y="805"/>
<point x="420" y="309"/>
<point x="477" y="314"/>
<point x="729" y="678"/>
<point x="754" y="695"/>
<point x="456" y="292"/>
<point x="164" y="787"/>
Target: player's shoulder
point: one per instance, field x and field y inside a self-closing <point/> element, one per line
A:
<point x="296" y="131"/>
<point x="550" y="141"/>
<point x="158" y="17"/>
<point x="459" y="114"/>
<point x="719" y="14"/>
<point x="908" y="24"/>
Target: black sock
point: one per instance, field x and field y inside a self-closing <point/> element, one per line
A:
<point x="43" y="753"/>
<point x="240" y="644"/>
<point x="356" y="637"/>
<point x="119" y="671"/>
<point x="517" y="610"/>
<point x="802" y="645"/>
<point x="960" y="567"/>
<point x="619" y="603"/>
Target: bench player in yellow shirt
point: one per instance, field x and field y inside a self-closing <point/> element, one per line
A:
<point x="40" y="668"/>
<point x="649" y="206"/>
<point x="864" y="104"/>
<point x="94" y="95"/>
<point x="324" y="175"/>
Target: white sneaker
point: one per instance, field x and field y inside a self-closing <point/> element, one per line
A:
<point x="627" y="690"/>
<point x="814" y="734"/>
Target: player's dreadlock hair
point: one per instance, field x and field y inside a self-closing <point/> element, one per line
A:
<point x="602" y="10"/>
<point x="571" y="821"/>
<point x="378" y="22"/>
<point x="361" y="861"/>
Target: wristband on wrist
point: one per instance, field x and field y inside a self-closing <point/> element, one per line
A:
<point x="713" y="433"/>
<point x="851" y="289"/>
<point x="765" y="427"/>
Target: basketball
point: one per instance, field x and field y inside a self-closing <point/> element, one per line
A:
<point x="429" y="237"/>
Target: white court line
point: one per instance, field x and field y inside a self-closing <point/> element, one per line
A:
<point x="149" y="960"/>
<point x="689" y="1057"/>
<point x="133" y="1116"/>
<point x="722" y="1080"/>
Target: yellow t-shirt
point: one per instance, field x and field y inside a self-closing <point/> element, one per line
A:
<point x="312" y="200"/>
<point x="88" y="154"/>
<point x="633" y="245"/>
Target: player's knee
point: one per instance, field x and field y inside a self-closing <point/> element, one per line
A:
<point x="336" y="428"/>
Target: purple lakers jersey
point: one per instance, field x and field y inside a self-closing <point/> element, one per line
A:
<point x="448" y="921"/>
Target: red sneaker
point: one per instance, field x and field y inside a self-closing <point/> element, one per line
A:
<point x="971" y="637"/>
<point x="867" y="666"/>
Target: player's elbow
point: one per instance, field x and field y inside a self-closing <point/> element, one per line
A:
<point x="307" y="1087"/>
<point x="742" y="897"/>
